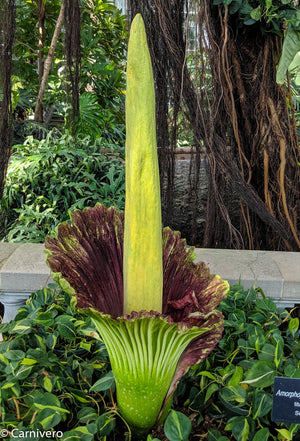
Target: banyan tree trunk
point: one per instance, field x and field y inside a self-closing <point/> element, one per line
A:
<point x="240" y="115"/>
<point x="261" y="163"/>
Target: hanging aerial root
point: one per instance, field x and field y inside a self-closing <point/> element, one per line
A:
<point x="281" y="181"/>
<point x="266" y="183"/>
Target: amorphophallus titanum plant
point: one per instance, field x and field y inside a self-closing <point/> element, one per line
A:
<point x="154" y="308"/>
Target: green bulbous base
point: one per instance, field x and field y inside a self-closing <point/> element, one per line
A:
<point x="144" y="354"/>
<point x="140" y="402"/>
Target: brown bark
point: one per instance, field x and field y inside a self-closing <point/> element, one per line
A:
<point x="41" y="9"/>
<point x="47" y="66"/>
<point x="243" y="121"/>
<point x="7" y="27"/>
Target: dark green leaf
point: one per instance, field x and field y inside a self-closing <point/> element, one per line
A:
<point x="48" y="418"/>
<point x="14" y="355"/>
<point x="65" y="326"/>
<point x="267" y="352"/>
<point x="44" y="318"/>
<point x="262" y="435"/>
<point x="215" y="435"/>
<point x="87" y="415"/>
<point x="106" y="423"/>
<point x="261" y="374"/>
<point x="262" y="404"/>
<point x="241" y="428"/>
<point x="22" y="327"/>
<point x="234" y="393"/>
<point x="48" y="401"/>
<point x="104" y="383"/>
<point x="266" y="304"/>
<point x="177" y="426"/>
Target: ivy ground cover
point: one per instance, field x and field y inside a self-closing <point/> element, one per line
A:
<point x="55" y="375"/>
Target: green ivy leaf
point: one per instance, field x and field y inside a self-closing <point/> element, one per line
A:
<point x="106" y="423"/>
<point x="267" y="352"/>
<point x="261" y="374"/>
<point x="245" y="347"/>
<point x="212" y="388"/>
<point x="177" y="426"/>
<point x="47" y="383"/>
<point x="256" y="14"/>
<point x="262" y="435"/>
<point x="294" y="326"/>
<point x="266" y="304"/>
<point x="104" y="383"/>
<point x="14" y="355"/>
<point x="240" y="428"/>
<point x="22" y="327"/>
<point x="65" y="326"/>
<point x="87" y="415"/>
<point x="14" y="387"/>
<point x="44" y="318"/>
<point x="236" y="377"/>
<point x="286" y="434"/>
<point x="262" y="405"/>
<point x="48" y="418"/>
<point x="48" y="401"/>
<point x="215" y="435"/>
<point x="234" y="393"/>
<point x="23" y="372"/>
<point x="79" y="395"/>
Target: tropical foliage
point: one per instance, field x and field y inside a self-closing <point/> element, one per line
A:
<point x="103" y="39"/>
<point x="260" y="341"/>
<point x="51" y="353"/>
<point x="273" y="16"/>
<point x="47" y="178"/>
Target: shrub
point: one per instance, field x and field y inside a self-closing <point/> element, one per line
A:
<point x="233" y="387"/>
<point x="55" y="375"/>
<point x="48" y="178"/>
<point x="48" y="365"/>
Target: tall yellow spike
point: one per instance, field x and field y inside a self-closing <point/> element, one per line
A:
<point x="143" y="275"/>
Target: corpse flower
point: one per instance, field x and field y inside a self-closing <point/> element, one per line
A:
<point x="154" y="308"/>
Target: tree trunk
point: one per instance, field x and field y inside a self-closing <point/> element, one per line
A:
<point x="239" y="114"/>
<point x="38" y="109"/>
<point x="7" y="27"/>
<point x="41" y="9"/>
<point x="262" y="164"/>
<point x="73" y="57"/>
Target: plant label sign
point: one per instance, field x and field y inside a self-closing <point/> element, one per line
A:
<point x="286" y="400"/>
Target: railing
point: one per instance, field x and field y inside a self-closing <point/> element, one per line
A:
<point x="23" y="270"/>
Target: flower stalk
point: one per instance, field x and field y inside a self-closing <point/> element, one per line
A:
<point x="143" y="278"/>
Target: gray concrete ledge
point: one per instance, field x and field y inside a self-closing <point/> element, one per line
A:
<point x="277" y="273"/>
<point x="23" y="270"/>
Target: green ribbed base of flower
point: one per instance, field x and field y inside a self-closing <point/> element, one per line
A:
<point x="140" y="401"/>
<point x="144" y="353"/>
